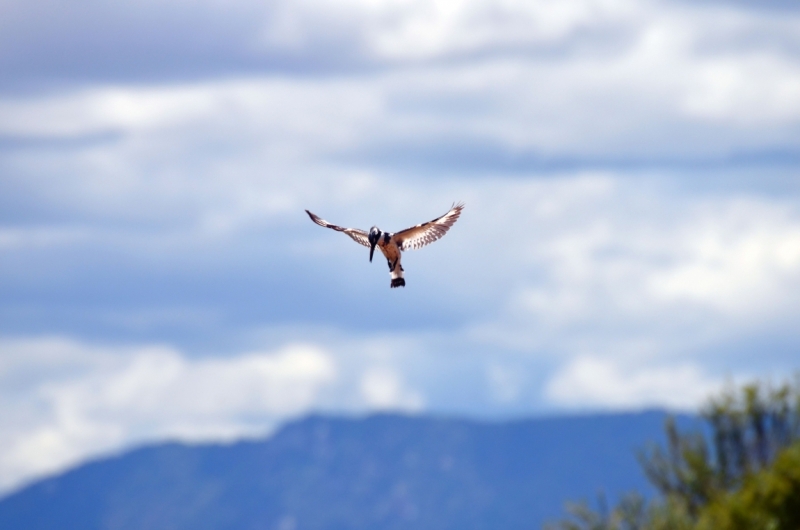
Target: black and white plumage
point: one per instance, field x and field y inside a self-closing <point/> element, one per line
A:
<point x="392" y="244"/>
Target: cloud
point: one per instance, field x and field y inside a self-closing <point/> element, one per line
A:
<point x="591" y="81"/>
<point x="176" y="40"/>
<point x="737" y="258"/>
<point x="64" y="400"/>
<point x="609" y="257"/>
<point x="383" y="389"/>
<point x="591" y="382"/>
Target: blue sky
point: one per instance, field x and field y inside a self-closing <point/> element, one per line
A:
<point x="631" y="236"/>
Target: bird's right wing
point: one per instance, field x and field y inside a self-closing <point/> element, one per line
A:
<point x="359" y="236"/>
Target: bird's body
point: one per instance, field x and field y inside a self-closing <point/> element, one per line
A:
<point x="391" y="251"/>
<point x="392" y="245"/>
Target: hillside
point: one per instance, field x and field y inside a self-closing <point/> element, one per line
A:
<point x="381" y="472"/>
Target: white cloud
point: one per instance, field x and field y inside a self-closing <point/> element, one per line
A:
<point x="418" y="29"/>
<point x="667" y="291"/>
<point x="382" y="388"/>
<point x="745" y="90"/>
<point x="662" y="91"/>
<point x="737" y="257"/>
<point x="618" y="254"/>
<point x="592" y="382"/>
<point x="215" y="156"/>
<point x="62" y="401"/>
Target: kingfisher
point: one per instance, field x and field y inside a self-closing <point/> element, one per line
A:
<point x="392" y="244"/>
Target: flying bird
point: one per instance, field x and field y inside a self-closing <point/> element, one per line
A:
<point x="392" y="244"/>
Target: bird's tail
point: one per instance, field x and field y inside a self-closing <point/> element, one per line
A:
<point x="397" y="277"/>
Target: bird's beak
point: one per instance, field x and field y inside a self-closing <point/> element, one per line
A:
<point x="372" y="249"/>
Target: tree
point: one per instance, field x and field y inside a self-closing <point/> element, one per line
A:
<point x="743" y="472"/>
<point x="768" y="499"/>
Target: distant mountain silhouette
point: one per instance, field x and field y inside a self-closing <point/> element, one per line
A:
<point x="383" y="472"/>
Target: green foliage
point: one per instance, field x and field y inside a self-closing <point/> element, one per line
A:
<point x="744" y="473"/>
<point x="769" y="499"/>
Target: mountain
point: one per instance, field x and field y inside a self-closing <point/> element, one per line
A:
<point x="383" y="472"/>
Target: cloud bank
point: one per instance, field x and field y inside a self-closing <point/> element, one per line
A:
<point x="62" y="400"/>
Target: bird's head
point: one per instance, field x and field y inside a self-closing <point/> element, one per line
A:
<point x="374" y="236"/>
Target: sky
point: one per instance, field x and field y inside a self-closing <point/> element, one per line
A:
<point x="631" y="236"/>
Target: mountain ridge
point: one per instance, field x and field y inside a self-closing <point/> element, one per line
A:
<point x="382" y="471"/>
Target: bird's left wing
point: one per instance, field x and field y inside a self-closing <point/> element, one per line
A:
<point x="421" y="235"/>
<point x="357" y="235"/>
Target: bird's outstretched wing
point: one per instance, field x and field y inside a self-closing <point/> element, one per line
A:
<point x="421" y="235"/>
<point x="359" y="236"/>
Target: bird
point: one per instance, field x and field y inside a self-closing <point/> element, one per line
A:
<point x="393" y="244"/>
